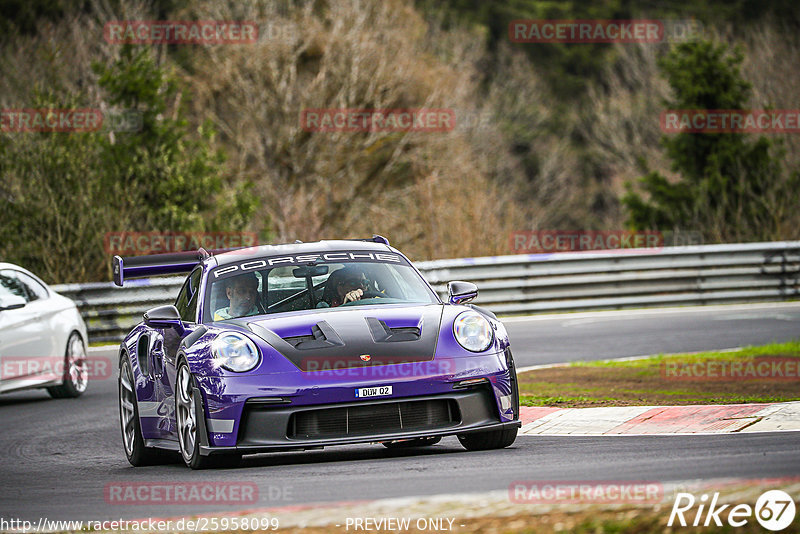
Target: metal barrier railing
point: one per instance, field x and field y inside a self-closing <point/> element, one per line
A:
<point x="535" y="283"/>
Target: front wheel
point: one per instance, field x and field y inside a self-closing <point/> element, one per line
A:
<point x="494" y="439"/>
<point x="76" y="374"/>
<point x="186" y="412"/>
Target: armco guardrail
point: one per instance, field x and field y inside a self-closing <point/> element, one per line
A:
<point x="628" y="278"/>
<point x="522" y="283"/>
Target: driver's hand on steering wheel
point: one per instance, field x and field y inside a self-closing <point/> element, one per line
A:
<point x="353" y="295"/>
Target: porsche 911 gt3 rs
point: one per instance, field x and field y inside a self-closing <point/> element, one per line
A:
<point x="306" y="345"/>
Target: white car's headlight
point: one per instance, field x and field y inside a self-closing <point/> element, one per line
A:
<point x="235" y="352"/>
<point x="473" y="331"/>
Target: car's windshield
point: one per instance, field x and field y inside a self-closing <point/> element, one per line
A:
<point x="256" y="288"/>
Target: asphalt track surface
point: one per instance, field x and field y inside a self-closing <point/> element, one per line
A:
<point x="58" y="456"/>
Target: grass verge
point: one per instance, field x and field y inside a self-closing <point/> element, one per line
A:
<point x="495" y="514"/>
<point x="747" y="375"/>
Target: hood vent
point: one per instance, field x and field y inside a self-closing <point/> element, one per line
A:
<point x="322" y="336"/>
<point x="382" y="333"/>
<point x="345" y="339"/>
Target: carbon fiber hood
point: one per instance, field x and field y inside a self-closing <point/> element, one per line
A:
<point x="353" y="336"/>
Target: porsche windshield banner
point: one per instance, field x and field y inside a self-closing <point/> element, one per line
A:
<point x="306" y="259"/>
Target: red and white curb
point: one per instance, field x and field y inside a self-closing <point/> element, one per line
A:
<point x="633" y="420"/>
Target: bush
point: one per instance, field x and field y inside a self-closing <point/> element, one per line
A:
<point x="62" y="192"/>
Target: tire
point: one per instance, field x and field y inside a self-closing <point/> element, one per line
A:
<point x="497" y="439"/>
<point x="76" y="374"/>
<point x="410" y="443"/>
<point x="187" y="412"/>
<point x="132" y="440"/>
<point x="482" y="441"/>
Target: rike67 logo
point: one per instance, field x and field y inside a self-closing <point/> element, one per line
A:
<point x="774" y="510"/>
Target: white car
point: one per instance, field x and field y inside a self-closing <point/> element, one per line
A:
<point x="42" y="337"/>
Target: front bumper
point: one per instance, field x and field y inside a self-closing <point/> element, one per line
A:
<point x="267" y="428"/>
<point x="257" y="411"/>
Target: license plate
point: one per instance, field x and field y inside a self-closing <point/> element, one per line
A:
<point x="379" y="391"/>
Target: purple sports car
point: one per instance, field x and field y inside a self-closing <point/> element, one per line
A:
<point x="307" y="345"/>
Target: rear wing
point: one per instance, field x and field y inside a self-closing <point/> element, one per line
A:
<point x="176" y="262"/>
<point x="156" y="264"/>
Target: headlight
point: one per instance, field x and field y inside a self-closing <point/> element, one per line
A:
<point x="235" y="352"/>
<point x="473" y="331"/>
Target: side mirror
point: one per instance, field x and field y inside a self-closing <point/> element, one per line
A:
<point x="461" y="292"/>
<point x="12" y="302"/>
<point x="164" y="317"/>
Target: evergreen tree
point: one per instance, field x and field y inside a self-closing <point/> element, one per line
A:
<point x="730" y="187"/>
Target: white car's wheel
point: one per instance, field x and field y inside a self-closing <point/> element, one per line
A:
<point x="76" y="372"/>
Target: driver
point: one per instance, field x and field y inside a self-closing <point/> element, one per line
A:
<point x="343" y="285"/>
<point x="242" y="292"/>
